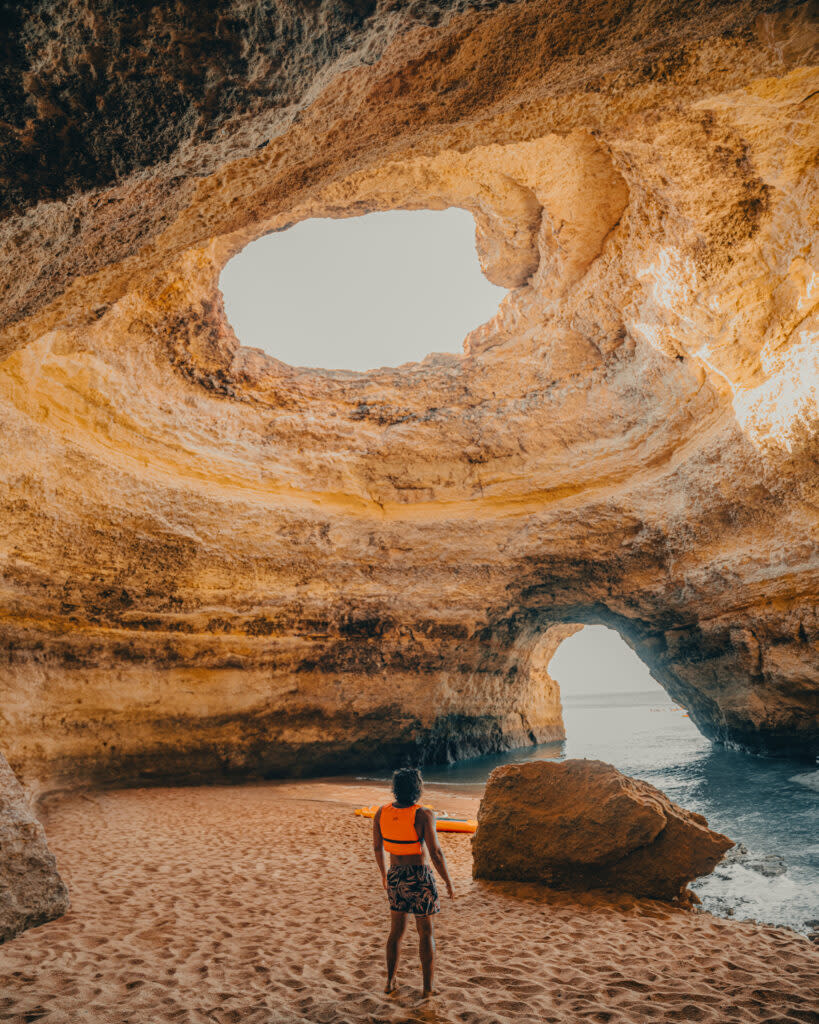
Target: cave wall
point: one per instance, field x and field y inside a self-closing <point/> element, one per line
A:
<point x="216" y="565"/>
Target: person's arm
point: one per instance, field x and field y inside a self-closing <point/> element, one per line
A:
<point x="436" y="854"/>
<point x="378" y="847"/>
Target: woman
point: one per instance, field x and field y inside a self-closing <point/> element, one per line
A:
<point x="406" y="831"/>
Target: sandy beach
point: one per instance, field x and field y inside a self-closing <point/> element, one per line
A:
<point x="261" y="903"/>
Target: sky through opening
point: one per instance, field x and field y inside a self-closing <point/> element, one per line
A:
<point x="362" y="292"/>
<point x="598" y="660"/>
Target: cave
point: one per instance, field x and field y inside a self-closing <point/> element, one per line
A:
<point x="240" y="582"/>
<point x="218" y="565"/>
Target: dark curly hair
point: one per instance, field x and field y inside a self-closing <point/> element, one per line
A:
<point x="407" y="784"/>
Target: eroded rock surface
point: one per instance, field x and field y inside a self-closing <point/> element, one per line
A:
<point x="216" y="565"/>
<point x="31" y="890"/>
<point x="581" y="824"/>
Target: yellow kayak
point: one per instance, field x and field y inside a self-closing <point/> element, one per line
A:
<point x="443" y="822"/>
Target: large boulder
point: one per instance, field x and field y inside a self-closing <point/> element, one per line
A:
<point x="31" y="890"/>
<point x="584" y="825"/>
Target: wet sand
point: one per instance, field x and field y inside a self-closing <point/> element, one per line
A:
<point x="262" y="903"/>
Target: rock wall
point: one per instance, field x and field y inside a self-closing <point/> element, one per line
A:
<point x="214" y="564"/>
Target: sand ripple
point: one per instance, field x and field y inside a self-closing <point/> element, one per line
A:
<point x="259" y="904"/>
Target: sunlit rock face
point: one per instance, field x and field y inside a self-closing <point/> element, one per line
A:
<point x="216" y="565"/>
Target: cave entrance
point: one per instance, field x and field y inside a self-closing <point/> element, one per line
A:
<point x="614" y="710"/>
<point x="360" y="292"/>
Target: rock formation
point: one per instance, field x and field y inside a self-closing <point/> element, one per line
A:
<point x="31" y="890"/>
<point x="583" y="825"/>
<point x="216" y="565"/>
<point x="769" y="865"/>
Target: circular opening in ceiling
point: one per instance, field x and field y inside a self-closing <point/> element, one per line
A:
<point x="362" y="292"/>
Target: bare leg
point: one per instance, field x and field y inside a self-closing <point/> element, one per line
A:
<point x="397" y="928"/>
<point x="426" y="951"/>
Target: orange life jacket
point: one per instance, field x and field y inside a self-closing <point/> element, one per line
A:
<point x="398" y="829"/>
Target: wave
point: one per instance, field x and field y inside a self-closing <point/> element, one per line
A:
<point x="809" y="779"/>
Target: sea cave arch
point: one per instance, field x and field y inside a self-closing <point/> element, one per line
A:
<point x="542" y="665"/>
<point x="703" y="672"/>
<point x="610" y="699"/>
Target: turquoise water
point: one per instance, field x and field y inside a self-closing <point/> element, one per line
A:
<point x="769" y="805"/>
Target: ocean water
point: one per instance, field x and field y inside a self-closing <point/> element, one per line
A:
<point x="771" y="806"/>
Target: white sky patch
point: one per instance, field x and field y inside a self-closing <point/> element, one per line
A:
<point x="362" y="292"/>
<point x="597" y="660"/>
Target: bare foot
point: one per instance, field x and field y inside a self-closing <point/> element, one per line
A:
<point x="390" y="986"/>
<point x="428" y="993"/>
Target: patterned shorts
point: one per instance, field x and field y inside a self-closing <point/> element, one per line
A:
<point x="411" y="889"/>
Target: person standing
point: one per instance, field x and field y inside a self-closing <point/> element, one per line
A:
<point x="406" y="831"/>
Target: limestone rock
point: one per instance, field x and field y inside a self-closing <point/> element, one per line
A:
<point x="31" y="890"/>
<point x="582" y="824"/>
<point x="215" y="565"/>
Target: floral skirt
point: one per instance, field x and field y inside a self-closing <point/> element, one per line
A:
<point x="411" y="889"/>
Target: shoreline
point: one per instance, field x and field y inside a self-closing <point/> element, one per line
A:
<point x="460" y="798"/>
<point x="261" y="903"/>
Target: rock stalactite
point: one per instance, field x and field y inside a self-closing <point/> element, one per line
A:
<point x="217" y="565"/>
